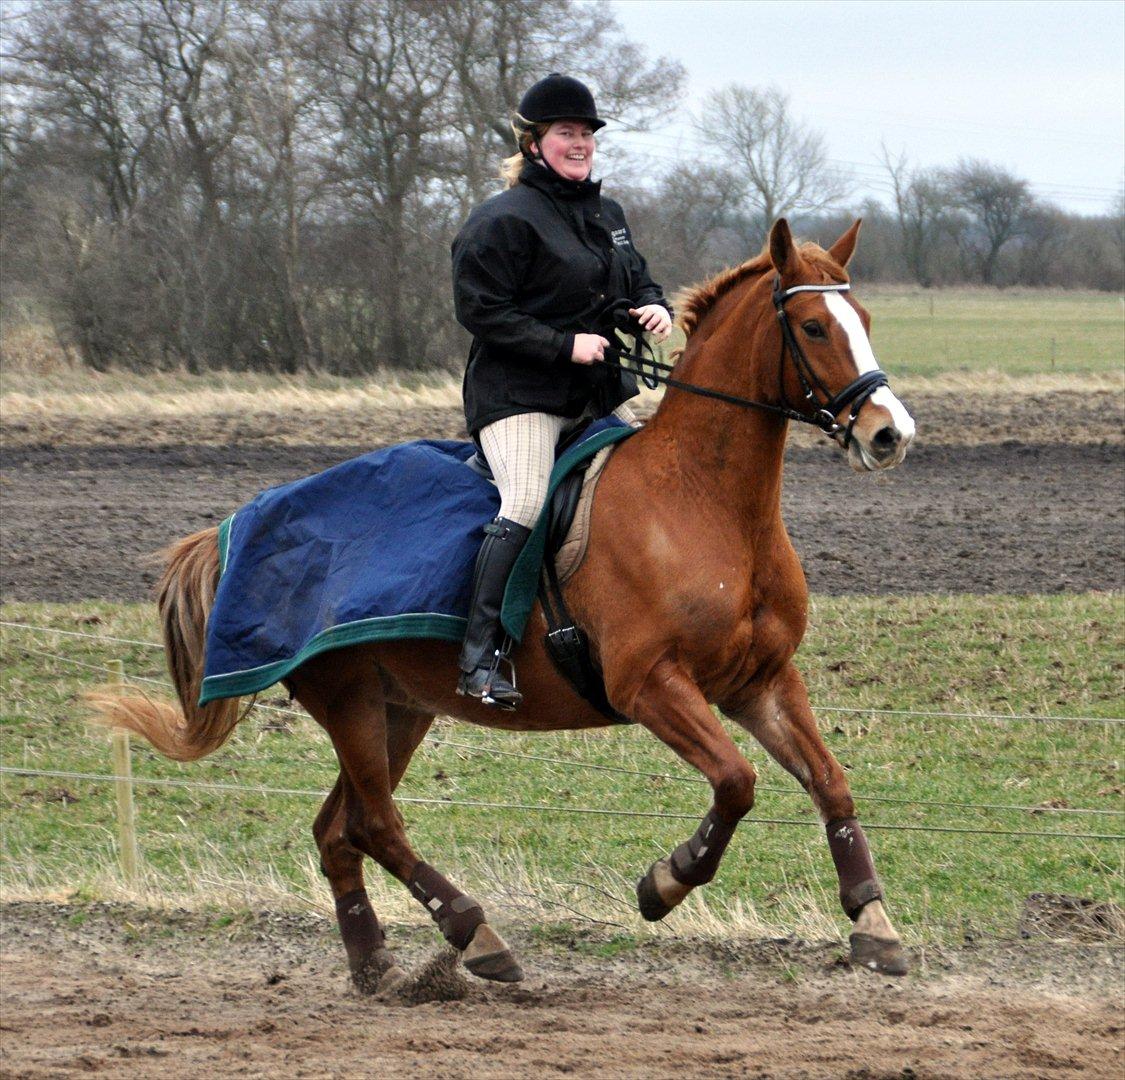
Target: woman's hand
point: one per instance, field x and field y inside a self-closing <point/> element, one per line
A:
<point x="655" y="319"/>
<point x="588" y="348"/>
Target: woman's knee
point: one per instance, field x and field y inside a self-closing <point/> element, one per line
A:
<point x="524" y="505"/>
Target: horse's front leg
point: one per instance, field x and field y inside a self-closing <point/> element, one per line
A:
<point x="671" y="706"/>
<point x="781" y="719"/>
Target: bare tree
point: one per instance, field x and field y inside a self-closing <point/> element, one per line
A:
<point x="183" y="45"/>
<point x="386" y="76"/>
<point x="997" y="204"/>
<point x="279" y="175"/>
<point x="73" y="68"/>
<point x="785" y="164"/>
<point x="922" y="201"/>
<point x="684" y="224"/>
<point x="497" y="48"/>
<point x="1117" y="232"/>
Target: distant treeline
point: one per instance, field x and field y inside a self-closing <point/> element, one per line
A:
<point x="273" y="184"/>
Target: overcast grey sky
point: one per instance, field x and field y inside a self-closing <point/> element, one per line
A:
<point x="1036" y="86"/>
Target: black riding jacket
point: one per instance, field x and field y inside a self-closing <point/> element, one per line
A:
<point x="532" y="267"/>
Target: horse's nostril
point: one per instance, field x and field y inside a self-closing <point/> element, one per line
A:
<point x="885" y="438"/>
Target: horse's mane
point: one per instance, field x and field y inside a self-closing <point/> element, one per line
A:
<point x="695" y="301"/>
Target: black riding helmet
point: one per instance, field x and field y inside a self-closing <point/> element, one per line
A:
<point x="559" y="97"/>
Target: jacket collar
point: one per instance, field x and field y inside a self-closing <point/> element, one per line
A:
<point x="547" y="180"/>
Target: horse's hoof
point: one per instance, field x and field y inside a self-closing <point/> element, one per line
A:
<point x="879" y="954"/>
<point x="378" y="972"/>
<point x="488" y="957"/>
<point x="653" y="908"/>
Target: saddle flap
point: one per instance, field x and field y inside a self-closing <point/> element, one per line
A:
<point x="570" y="518"/>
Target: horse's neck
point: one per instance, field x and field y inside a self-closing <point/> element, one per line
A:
<point x="733" y="464"/>
<point x="730" y="456"/>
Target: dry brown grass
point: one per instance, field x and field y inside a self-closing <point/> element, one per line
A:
<point x="31" y="349"/>
<point x="86" y="394"/>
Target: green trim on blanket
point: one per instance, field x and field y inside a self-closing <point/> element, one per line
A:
<point x="224" y="542"/>
<point x="385" y="628"/>
<point x="519" y="597"/>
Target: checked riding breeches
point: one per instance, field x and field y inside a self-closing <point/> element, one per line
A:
<point x="520" y="451"/>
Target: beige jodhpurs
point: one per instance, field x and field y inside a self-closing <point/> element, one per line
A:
<point x="520" y="451"/>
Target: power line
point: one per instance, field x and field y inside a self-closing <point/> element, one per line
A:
<point x="226" y="757"/>
<point x="79" y="634"/>
<point x="773" y="789"/>
<point x="534" y="807"/>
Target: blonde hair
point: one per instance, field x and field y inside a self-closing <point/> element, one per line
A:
<point x="526" y="133"/>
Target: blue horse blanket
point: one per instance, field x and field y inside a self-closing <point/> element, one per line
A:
<point x="379" y="547"/>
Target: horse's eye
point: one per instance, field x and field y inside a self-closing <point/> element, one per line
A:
<point x="813" y="328"/>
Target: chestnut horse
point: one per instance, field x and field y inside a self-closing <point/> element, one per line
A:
<point x="691" y="594"/>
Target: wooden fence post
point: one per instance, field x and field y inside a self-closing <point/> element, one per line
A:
<point x="123" y="770"/>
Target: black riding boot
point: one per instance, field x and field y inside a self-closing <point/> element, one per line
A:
<point x="485" y="641"/>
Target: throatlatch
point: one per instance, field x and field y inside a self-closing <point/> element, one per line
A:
<point x="456" y="914"/>
<point x="859" y="884"/>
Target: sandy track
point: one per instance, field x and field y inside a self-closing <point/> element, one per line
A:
<point x="1017" y="492"/>
<point x="142" y="996"/>
<point x="79" y="522"/>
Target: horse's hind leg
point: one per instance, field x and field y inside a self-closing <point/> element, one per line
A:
<point x="782" y="721"/>
<point x="368" y="957"/>
<point x="369" y="960"/>
<point x="357" y="721"/>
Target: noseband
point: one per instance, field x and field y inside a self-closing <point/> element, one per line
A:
<point x="824" y="405"/>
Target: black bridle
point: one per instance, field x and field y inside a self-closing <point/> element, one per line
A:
<point x="825" y="406"/>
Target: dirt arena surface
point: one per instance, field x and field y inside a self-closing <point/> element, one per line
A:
<point x="1039" y="510"/>
<point x="101" y="989"/>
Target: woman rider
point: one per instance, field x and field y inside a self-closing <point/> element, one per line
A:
<point x="535" y="268"/>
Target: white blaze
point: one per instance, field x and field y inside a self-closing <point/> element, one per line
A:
<point x="864" y="357"/>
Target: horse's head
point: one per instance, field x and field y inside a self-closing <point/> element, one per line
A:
<point x="830" y="368"/>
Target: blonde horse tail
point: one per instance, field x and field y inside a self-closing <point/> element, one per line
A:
<point x="184" y="598"/>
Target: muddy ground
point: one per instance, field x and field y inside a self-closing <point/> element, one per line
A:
<point x="132" y="994"/>
<point x="1022" y="496"/>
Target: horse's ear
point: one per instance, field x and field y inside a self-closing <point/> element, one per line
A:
<point x="783" y="254"/>
<point x="842" y="251"/>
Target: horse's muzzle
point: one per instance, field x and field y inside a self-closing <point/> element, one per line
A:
<point x="882" y="436"/>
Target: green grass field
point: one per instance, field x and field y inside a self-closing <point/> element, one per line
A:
<point x="1017" y="333"/>
<point x="1038" y="655"/>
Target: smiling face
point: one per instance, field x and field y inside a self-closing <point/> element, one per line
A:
<point x="568" y="147"/>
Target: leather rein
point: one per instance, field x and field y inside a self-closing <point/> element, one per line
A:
<point x="825" y="406"/>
